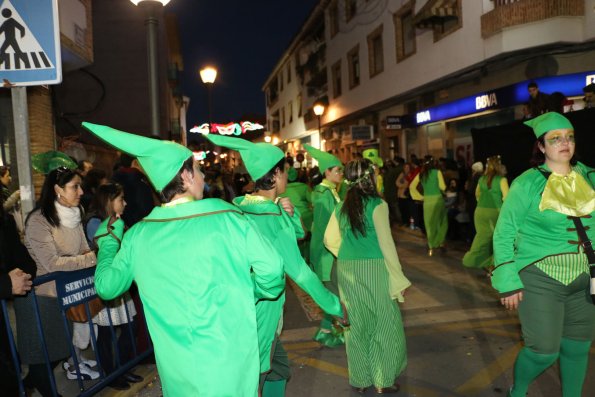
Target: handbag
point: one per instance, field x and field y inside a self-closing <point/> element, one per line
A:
<point x="78" y="314"/>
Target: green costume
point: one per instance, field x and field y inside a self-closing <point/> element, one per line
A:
<point x="486" y="215"/>
<point x="279" y="228"/>
<point x="435" y="218"/>
<point x="370" y="277"/>
<point x="324" y="199"/>
<point x="536" y="252"/>
<point x="300" y="195"/>
<point x="199" y="266"/>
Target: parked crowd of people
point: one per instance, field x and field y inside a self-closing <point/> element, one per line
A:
<point x="328" y="228"/>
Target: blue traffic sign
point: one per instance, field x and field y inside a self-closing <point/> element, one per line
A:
<point x="30" y="42"/>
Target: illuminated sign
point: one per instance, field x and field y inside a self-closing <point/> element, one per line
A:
<point x="486" y="101"/>
<point x="423" y="117"/>
<point x="512" y="95"/>
<point x="227" y="129"/>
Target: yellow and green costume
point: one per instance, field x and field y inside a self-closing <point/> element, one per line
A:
<point x="370" y="279"/>
<point x="435" y="218"/>
<point x="489" y="202"/>
<point x="536" y="251"/>
<point x="199" y="267"/>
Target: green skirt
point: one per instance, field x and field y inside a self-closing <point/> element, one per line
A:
<point x="375" y="340"/>
<point x="481" y="253"/>
<point x="435" y="220"/>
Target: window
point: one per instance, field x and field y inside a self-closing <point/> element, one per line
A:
<point x="288" y="72"/>
<point x="350" y="9"/>
<point x="405" y="32"/>
<point x="353" y="64"/>
<point x="336" y="73"/>
<point x="333" y="14"/>
<point x="290" y="112"/>
<point x="299" y="103"/>
<point x="375" y="52"/>
<point x="282" y="117"/>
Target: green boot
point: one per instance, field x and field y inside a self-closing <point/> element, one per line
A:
<point x="274" y="388"/>
<point x="528" y="366"/>
<point x="574" y="359"/>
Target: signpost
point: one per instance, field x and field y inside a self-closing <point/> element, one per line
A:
<point x="29" y="56"/>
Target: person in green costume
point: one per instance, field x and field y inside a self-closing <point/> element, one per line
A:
<point x="541" y="268"/>
<point x="374" y="157"/>
<point x="324" y="199"/>
<point x="300" y="196"/>
<point x="370" y="277"/>
<point x="199" y="266"/>
<point x="491" y="190"/>
<point x="435" y="217"/>
<point x="276" y="219"/>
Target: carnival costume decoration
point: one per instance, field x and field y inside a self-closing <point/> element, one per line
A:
<point x="50" y="160"/>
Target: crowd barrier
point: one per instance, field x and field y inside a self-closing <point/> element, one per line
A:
<point x="75" y="288"/>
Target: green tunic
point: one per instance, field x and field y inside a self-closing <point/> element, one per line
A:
<point x="199" y="267"/>
<point x="277" y="226"/>
<point x="324" y="199"/>
<point x="525" y="235"/>
<point x="486" y="215"/>
<point x="370" y="277"/>
<point x="301" y="197"/>
<point x="435" y="218"/>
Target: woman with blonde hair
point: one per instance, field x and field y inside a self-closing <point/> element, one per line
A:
<point x="491" y="191"/>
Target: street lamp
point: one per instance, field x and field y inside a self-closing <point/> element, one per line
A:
<point x="208" y="75"/>
<point x="318" y="111"/>
<point x="152" y="23"/>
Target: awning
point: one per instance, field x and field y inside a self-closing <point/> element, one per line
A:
<point x="436" y="12"/>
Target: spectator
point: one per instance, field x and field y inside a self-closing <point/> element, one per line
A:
<point x="83" y="168"/>
<point x="404" y="199"/>
<point x="538" y="101"/>
<point x="95" y="178"/>
<point x="11" y="202"/>
<point x="138" y="192"/>
<point x="589" y="98"/>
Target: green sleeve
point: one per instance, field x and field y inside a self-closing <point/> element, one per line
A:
<point x="397" y="280"/>
<point x="297" y="269"/>
<point x="266" y="263"/>
<point x="113" y="275"/>
<point x="296" y="221"/>
<point x="415" y="195"/>
<point x="505" y="277"/>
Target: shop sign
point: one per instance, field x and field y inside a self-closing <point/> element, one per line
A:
<point x="361" y="132"/>
<point x="423" y="117"/>
<point x="393" y="123"/>
<point x="486" y="101"/>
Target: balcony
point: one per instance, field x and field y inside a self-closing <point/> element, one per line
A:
<point x="508" y="13"/>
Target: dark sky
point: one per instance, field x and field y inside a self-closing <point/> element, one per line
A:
<point x="243" y="39"/>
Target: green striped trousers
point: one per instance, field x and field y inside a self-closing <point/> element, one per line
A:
<point x="375" y="341"/>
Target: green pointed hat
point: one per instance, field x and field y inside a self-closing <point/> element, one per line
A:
<point x="259" y="158"/>
<point x="49" y="161"/>
<point x="292" y="174"/>
<point x="547" y="122"/>
<point x="372" y="155"/>
<point x="325" y="160"/>
<point x="161" y="160"/>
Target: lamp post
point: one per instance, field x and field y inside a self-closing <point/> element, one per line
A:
<point x="318" y="111"/>
<point x="152" y="23"/>
<point x="208" y="75"/>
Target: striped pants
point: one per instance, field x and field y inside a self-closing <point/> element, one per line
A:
<point x="375" y="341"/>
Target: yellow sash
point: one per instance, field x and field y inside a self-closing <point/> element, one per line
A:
<point x="568" y="194"/>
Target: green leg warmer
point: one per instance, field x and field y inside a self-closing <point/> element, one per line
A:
<point x="274" y="388"/>
<point x="528" y="366"/>
<point x="574" y="358"/>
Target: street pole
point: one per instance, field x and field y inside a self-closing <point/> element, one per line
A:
<point x="210" y="104"/>
<point x="152" y="24"/>
<point x="20" y="114"/>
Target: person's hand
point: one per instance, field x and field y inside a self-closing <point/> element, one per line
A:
<point x="21" y="281"/>
<point x="287" y="205"/>
<point x="404" y="292"/>
<point x="512" y="302"/>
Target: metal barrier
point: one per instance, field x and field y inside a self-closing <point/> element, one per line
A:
<point x="75" y="288"/>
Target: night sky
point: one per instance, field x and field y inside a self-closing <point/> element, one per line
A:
<point x="243" y="39"/>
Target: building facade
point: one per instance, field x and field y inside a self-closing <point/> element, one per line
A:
<point x="415" y="76"/>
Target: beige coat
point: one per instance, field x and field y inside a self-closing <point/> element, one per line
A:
<point x="56" y="249"/>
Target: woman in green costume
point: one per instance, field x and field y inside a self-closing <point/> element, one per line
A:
<point x="276" y="219"/>
<point x="491" y="191"/>
<point x="324" y="199"/>
<point x="370" y="278"/>
<point x="199" y="266"/>
<point x="300" y="196"/>
<point x="435" y="217"/>
<point x="542" y="269"/>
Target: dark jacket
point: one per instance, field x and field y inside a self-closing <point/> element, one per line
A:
<point x="138" y="194"/>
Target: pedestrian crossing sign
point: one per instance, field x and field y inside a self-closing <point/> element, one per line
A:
<point x="30" y="42"/>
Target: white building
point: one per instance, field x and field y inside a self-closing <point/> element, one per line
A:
<point x="421" y="74"/>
